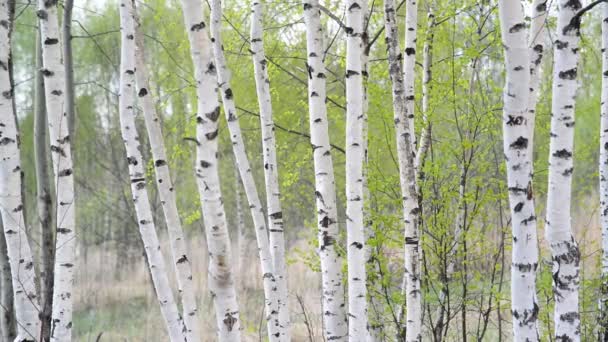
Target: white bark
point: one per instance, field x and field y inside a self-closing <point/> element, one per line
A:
<point x="11" y="202"/>
<point x="271" y="290"/>
<point x="271" y="170"/>
<point x="334" y="318"/>
<point x="221" y="281"/>
<point x="7" y="309"/>
<point x="137" y="175"/>
<point x="564" y="249"/>
<point x="357" y="291"/>
<point x="536" y="39"/>
<point x="517" y="144"/>
<point x="179" y="252"/>
<point x="61" y="154"/>
<point x="402" y="82"/>
<point x="603" y="186"/>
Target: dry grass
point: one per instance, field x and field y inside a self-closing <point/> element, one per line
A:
<point x="117" y="299"/>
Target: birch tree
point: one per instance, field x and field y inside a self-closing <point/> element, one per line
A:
<point x="271" y="289"/>
<point x="137" y="175"/>
<point x="271" y="169"/>
<point x="179" y="252"/>
<point x="8" y="326"/>
<point x="11" y="201"/>
<point x="357" y="294"/>
<point x="334" y="318"/>
<point x="517" y="146"/>
<point x="402" y="81"/>
<point x="221" y="281"/>
<point x="61" y="155"/>
<point x="44" y="200"/>
<point x="564" y="249"/>
<point x="603" y="184"/>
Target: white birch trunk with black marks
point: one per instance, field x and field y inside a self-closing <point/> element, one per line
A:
<point x="564" y="249"/>
<point x="269" y="279"/>
<point x="220" y="277"/>
<point x="271" y="170"/>
<point x="355" y="231"/>
<point x="603" y="184"/>
<point x="181" y="257"/>
<point x="334" y="311"/>
<point x="61" y="155"/>
<point x="403" y="106"/>
<point x="517" y="144"/>
<point x="44" y="200"/>
<point x="538" y="28"/>
<point x="137" y="175"/>
<point x="8" y="323"/>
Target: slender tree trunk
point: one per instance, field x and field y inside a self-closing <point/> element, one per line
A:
<point x="61" y="154"/>
<point x="11" y="201"/>
<point x="221" y="281"/>
<point x="7" y="307"/>
<point x="179" y="252"/>
<point x="241" y="242"/>
<point x="70" y="108"/>
<point x="44" y="198"/>
<point x="603" y="165"/>
<point x="271" y="168"/>
<point x="536" y="44"/>
<point x="564" y="249"/>
<point x="519" y="158"/>
<point x="402" y="80"/>
<point x="137" y="173"/>
<point x="357" y="291"/>
<point x="334" y="319"/>
<point x="271" y="289"/>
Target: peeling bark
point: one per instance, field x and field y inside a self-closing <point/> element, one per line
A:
<point x="334" y="314"/>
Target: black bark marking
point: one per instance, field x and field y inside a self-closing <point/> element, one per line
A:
<point x="307" y="6"/>
<point x="277" y="215"/>
<point x="213" y="115"/>
<point x="57" y="149"/>
<point x="517" y="27"/>
<point x="132" y="161"/>
<point x="6" y="141"/>
<point x="198" y="27"/>
<point x="564" y="154"/>
<point x="327" y="241"/>
<point x="205" y="164"/>
<point x="519" y="144"/>
<point x="568" y="74"/>
<point x="47" y="72"/>
<point x="358" y="245"/>
<point x="211" y="135"/>
<point x="63" y="231"/>
<point x="182" y="259"/>
<point x="228" y="94"/>
<point x="57" y="92"/>
<point x="51" y="41"/>
<point x="350" y="73"/>
<point x="518" y="207"/>
<point x="410" y="51"/>
<point x="515" y="120"/>
<point x="561" y="44"/>
<point x="65" y="173"/>
<point x="142" y="92"/>
<point x="160" y="162"/>
<point x="230" y="321"/>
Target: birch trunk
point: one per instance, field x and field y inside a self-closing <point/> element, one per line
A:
<point x="11" y="201"/>
<point x="44" y="200"/>
<point x="7" y="308"/>
<point x="137" y="173"/>
<point x="564" y="249"/>
<point x="518" y="150"/>
<point x="537" y="50"/>
<point x="181" y="257"/>
<point x="603" y="166"/>
<point x="355" y="231"/>
<point x="403" y="105"/>
<point x="271" y="170"/>
<point x="334" y="318"/>
<point x="221" y="281"/>
<point x="70" y="108"/>
<point x="271" y="289"/>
